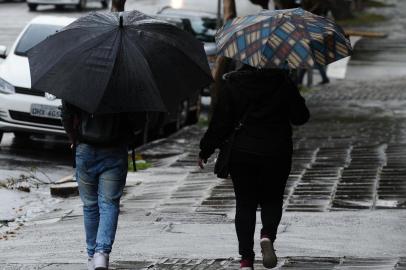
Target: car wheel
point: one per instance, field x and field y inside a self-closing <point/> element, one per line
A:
<point x="32" y="7"/>
<point x="181" y="118"/>
<point x="105" y="4"/>
<point x="81" y="5"/>
<point x="23" y="136"/>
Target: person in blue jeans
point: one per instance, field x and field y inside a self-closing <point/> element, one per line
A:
<point x="101" y="145"/>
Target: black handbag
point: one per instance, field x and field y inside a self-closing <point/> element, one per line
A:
<point x="221" y="168"/>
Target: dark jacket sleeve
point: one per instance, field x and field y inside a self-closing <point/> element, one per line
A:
<point x="69" y="118"/>
<point x="221" y="125"/>
<point x="298" y="112"/>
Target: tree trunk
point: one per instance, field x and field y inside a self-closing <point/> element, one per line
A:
<point x="318" y="7"/>
<point x="341" y="9"/>
<point x="230" y="11"/>
<point x="263" y="3"/>
<point x="117" y="5"/>
<point x="285" y="4"/>
<point x="223" y="65"/>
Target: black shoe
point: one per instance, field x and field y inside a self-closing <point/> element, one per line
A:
<point x="324" y="82"/>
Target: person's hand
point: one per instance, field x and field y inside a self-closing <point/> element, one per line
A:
<point x="201" y="162"/>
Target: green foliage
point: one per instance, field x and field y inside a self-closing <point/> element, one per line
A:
<point x="140" y="163"/>
<point x="305" y="90"/>
<point x="363" y="18"/>
<point x="203" y="122"/>
<point x="376" y="4"/>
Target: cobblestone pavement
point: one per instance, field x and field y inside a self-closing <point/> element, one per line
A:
<point x="350" y="157"/>
<point x="292" y="263"/>
<point x="355" y="159"/>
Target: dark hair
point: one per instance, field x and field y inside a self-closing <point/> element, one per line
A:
<point x="270" y="71"/>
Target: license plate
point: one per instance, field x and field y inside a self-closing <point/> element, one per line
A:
<point x="45" y="111"/>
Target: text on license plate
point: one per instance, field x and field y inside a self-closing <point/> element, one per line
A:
<point x="47" y="111"/>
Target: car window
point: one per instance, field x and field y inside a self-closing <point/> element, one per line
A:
<point x="204" y="28"/>
<point x="34" y="34"/>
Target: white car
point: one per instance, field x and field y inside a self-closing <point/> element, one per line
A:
<point x="22" y="110"/>
<point x="79" y="4"/>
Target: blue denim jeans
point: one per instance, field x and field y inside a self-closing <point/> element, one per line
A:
<point x="101" y="173"/>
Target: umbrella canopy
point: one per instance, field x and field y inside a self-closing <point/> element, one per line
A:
<point x="291" y="38"/>
<point x="109" y="62"/>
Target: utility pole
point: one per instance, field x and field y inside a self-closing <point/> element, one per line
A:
<point x="263" y="3"/>
<point x="117" y="5"/>
<point x="219" y="18"/>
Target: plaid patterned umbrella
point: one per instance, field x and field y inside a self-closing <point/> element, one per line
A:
<point x="291" y="38"/>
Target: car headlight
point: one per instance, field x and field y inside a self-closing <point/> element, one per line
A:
<point x="6" y="87"/>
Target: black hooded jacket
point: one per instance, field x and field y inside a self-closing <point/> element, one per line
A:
<point x="101" y="130"/>
<point x="273" y="103"/>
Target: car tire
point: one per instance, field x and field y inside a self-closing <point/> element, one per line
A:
<point x="181" y="119"/>
<point x="81" y="5"/>
<point x="105" y="4"/>
<point x="194" y="115"/>
<point x="32" y="7"/>
<point x="1" y="136"/>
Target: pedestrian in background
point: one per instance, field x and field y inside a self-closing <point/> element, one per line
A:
<point x="320" y="8"/>
<point x="323" y="73"/>
<point x="263" y="103"/>
<point x="101" y="144"/>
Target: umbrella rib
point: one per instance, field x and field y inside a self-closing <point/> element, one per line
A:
<point x="65" y="54"/>
<point x="165" y="39"/>
<point x="296" y="35"/>
<point x="79" y="22"/>
<point x="309" y="38"/>
<point x="147" y="65"/>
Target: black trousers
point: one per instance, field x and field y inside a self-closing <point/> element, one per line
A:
<point x="258" y="181"/>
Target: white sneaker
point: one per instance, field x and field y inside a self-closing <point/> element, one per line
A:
<point x="101" y="261"/>
<point x="269" y="259"/>
<point x="90" y="263"/>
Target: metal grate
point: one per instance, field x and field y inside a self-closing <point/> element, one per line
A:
<point x="26" y="117"/>
<point x="28" y="91"/>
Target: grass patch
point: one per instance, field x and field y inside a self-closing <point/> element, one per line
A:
<point x="203" y="122"/>
<point x="363" y="19"/>
<point x="140" y="163"/>
<point x="377" y="4"/>
<point x="305" y="90"/>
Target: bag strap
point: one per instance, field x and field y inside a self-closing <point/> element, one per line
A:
<point x="241" y="123"/>
<point x="133" y="159"/>
<point x="75" y="125"/>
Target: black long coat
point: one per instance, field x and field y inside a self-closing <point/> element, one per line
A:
<point x="273" y="103"/>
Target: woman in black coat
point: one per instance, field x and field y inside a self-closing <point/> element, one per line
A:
<point x="260" y="162"/>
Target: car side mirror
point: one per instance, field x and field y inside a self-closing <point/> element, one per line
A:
<point x="3" y="50"/>
<point x="187" y="26"/>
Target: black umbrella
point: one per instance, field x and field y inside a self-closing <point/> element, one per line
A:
<point x="108" y="62"/>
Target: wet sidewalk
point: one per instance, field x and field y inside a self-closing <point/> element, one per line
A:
<point x="345" y="203"/>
